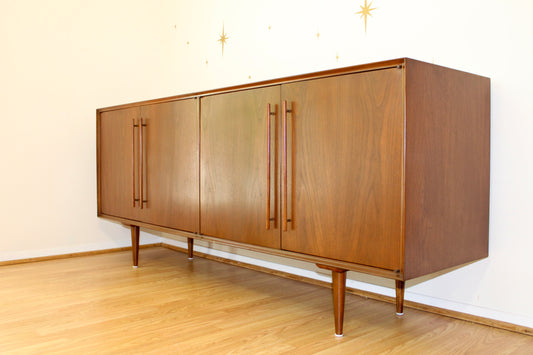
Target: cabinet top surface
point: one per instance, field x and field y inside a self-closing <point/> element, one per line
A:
<point x="277" y="81"/>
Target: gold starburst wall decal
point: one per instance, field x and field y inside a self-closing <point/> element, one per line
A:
<point x="223" y="38"/>
<point x="365" y="11"/>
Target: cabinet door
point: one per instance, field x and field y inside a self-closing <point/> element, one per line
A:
<point x="169" y="162"/>
<point x="345" y="167"/>
<point x="234" y="166"/>
<point x="116" y="160"/>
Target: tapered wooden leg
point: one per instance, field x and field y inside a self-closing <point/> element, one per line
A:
<point x="400" y="291"/>
<point x="135" y="245"/>
<point x="338" y="277"/>
<point x="339" y="291"/>
<point x="190" y="245"/>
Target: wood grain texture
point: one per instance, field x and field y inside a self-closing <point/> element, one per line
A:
<point x="170" y="164"/>
<point x="234" y="166"/>
<point x="116" y="166"/>
<point x="345" y="167"/>
<point x="447" y="168"/>
<point x="443" y="197"/>
<point x="172" y="160"/>
<point x="98" y="304"/>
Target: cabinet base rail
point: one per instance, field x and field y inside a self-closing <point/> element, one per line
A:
<point x="338" y="278"/>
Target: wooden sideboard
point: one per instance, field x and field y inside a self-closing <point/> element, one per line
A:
<point x="380" y="168"/>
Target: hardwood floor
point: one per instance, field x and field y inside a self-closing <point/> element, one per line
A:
<point x="170" y="305"/>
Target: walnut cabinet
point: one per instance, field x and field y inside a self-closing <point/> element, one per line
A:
<point x="380" y="168"/>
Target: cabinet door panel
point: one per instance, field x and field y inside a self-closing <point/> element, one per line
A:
<point x="345" y="167"/>
<point x="234" y="166"/>
<point x="171" y="176"/>
<point x="170" y="164"/>
<point x="116" y="166"/>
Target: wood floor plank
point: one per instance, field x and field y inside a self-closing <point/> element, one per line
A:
<point x="98" y="304"/>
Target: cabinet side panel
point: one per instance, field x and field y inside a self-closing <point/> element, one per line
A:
<point x="447" y="168"/>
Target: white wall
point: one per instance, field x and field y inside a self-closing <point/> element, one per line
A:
<point x="63" y="59"/>
<point x="60" y="60"/>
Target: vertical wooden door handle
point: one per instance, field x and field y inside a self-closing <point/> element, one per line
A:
<point x="268" y="169"/>
<point x="284" y="170"/>
<point x="133" y="158"/>
<point x="141" y="182"/>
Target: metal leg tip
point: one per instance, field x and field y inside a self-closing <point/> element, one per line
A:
<point x="135" y="266"/>
<point x="399" y="314"/>
<point x="191" y="258"/>
<point x="339" y="335"/>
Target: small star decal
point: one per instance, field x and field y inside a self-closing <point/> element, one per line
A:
<point x="223" y="39"/>
<point x="365" y="11"/>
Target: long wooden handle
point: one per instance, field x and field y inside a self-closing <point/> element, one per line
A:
<point x="141" y="163"/>
<point x="284" y="171"/>
<point x="268" y="170"/>
<point x="133" y="158"/>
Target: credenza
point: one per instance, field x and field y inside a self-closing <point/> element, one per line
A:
<point x="381" y="168"/>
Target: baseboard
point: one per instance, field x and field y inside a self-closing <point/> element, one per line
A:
<point x="73" y="255"/>
<point x="181" y="247"/>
